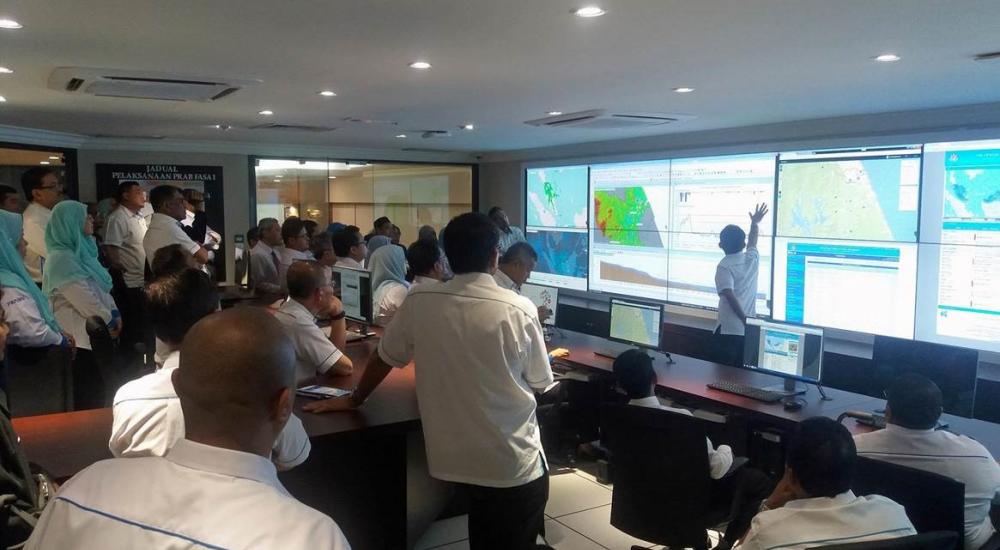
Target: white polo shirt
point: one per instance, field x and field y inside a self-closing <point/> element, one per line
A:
<point x="36" y="218"/>
<point x="387" y="299"/>
<point x="719" y="459"/>
<point x="945" y="453"/>
<point x="286" y="257"/>
<point x="148" y="421"/>
<point x="822" y="521"/>
<point x="126" y="230"/>
<point x="422" y="280"/>
<point x="314" y="352"/>
<point x="349" y="262"/>
<point x="264" y="268"/>
<point x="737" y="272"/>
<point x="198" y="496"/>
<point x="165" y="231"/>
<point x="503" y="281"/>
<point x="478" y="352"/>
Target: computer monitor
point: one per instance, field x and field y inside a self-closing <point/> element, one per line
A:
<point x="547" y="296"/>
<point x="783" y="349"/>
<point x="355" y="292"/>
<point x="637" y="323"/>
<point x="953" y="369"/>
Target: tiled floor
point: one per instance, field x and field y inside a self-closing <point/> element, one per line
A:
<point x="577" y="518"/>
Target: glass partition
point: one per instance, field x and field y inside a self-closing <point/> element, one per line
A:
<point x="359" y="192"/>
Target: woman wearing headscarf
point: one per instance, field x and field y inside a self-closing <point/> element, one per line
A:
<point x="79" y="288"/>
<point x="388" y="269"/>
<point x="27" y="311"/>
<point x="375" y="243"/>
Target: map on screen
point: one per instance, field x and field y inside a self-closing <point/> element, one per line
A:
<point x="635" y="324"/>
<point x="973" y="187"/>
<point x="864" y="198"/>
<point x="628" y="216"/>
<point x="557" y="197"/>
<point x="560" y="252"/>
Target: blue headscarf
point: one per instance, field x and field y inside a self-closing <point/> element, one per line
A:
<point x="71" y="255"/>
<point x="388" y="264"/>
<point x="375" y="243"/>
<point x="12" y="271"/>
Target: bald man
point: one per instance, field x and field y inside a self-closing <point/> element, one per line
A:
<point x="148" y="419"/>
<point x="216" y="488"/>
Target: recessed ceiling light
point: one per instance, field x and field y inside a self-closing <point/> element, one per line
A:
<point x="683" y="90"/>
<point x="3" y="99"/>
<point x="266" y="112"/>
<point x="554" y="113"/>
<point x="331" y="177"/>
<point x="5" y="70"/>
<point x="887" y="58"/>
<point x="401" y="136"/>
<point x="589" y="11"/>
<point x="55" y="158"/>
<point x="468" y="127"/>
<point x="222" y="127"/>
<point x="328" y="93"/>
<point x="44" y="162"/>
<point x="9" y="24"/>
<point x="421" y="65"/>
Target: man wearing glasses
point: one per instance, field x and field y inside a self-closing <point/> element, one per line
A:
<point x="43" y="190"/>
<point x="296" y="239"/>
<point x="165" y="227"/>
<point x="350" y="247"/>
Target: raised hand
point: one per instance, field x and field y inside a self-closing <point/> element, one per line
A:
<point x="757" y="215"/>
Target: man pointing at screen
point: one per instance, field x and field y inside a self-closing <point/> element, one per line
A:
<point x="736" y="283"/>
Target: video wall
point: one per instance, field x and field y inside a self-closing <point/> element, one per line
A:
<point x="899" y="241"/>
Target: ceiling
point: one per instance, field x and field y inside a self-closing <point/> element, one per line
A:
<point x="495" y="64"/>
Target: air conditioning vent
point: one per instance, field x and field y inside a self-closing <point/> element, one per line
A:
<point x="294" y="127"/>
<point x="601" y="119"/>
<point x="990" y="56"/>
<point x="435" y="134"/>
<point x="425" y="150"/>
<point x="121" y="136"/>
<point x="143" y="84"/>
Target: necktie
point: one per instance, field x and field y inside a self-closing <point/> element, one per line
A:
<point x="274" y="258"/>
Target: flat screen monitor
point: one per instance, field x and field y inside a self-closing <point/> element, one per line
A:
<point x="635" y="322"/>
<point x="355" y="292"/>
<point x="953" y="369"/>
<point x="784" y="349"/>
<point x="547" y="296"/>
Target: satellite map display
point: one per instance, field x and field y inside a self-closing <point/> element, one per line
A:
<point x="557" y="197"/>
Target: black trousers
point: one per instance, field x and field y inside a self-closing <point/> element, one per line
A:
<point x="742" y="491"/>
<point x="507" y="519"/>
<point x="729" y="348"/>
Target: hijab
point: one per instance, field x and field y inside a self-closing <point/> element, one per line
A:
<point x="72" y="256"/>
<point x="376" y="242"/>
<point x="12" y="271"/>
<point x="388" y="264"/>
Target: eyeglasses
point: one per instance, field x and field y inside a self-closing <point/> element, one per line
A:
<point x="57" y="186"/>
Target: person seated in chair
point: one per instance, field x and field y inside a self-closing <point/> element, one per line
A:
<point x="741" y="488"/>
<point x="909" y="439"/>
<point x="813" y="504"/>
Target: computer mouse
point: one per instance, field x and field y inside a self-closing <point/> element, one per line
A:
<point x="792" y="405"/>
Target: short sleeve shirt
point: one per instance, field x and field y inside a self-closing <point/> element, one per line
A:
<point x="314" y="352"/>
<point x="737" y="272"/>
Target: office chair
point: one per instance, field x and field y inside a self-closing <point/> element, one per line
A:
<point x="932" y="501"/>
<point x="39" y="380"/>
<point x="104" y="348"/>
<point x="662" y="486"/>
<point x="932" y="540"/>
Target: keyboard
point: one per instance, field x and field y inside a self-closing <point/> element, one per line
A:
<point x="766" y="396"/>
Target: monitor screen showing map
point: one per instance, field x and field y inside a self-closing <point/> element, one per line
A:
<point x="859" y="194"/>
<point x="562" y="257"/>
<point x="556" y="197"/>
<point x="635" y="322"/>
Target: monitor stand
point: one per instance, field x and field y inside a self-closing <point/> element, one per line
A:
<point x="789" y="388"/>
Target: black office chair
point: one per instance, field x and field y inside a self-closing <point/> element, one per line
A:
<point x="932" y="501"/>
<point x="932" y="540"/>
<point x="39" y="380"/>
<point x="104" y="348"/>
<point x="660" y="471"/>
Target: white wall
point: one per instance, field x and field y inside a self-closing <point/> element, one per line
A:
<point x="235" y="178"/>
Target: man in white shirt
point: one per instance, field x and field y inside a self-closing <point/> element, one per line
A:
<point x="515" y="269"/>
<point x="124" y="231"/>
<point x="216" y="487"/>
<point x="479" y="356"/>
<point x="813" y="504"/>
<point x="43" y="191"/>
<point x="736" y="283"/>
<point x="264" y="262"/>
<point x="308" y="297"/>
<point x="910" y="439"/>
<point x="424" y="257"/>
<point x="147" y="413"/>
<point x="165" y="225"/>
<point x="739" y="489"/>
<point x="350" y="247"/>
<point x="296" y="249"/>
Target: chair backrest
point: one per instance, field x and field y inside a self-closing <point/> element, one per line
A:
<point x="39" y="380"/>
<point x="933" y="502"/>
<point x="660" y="474"/>
<point x="932" y="540"/>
